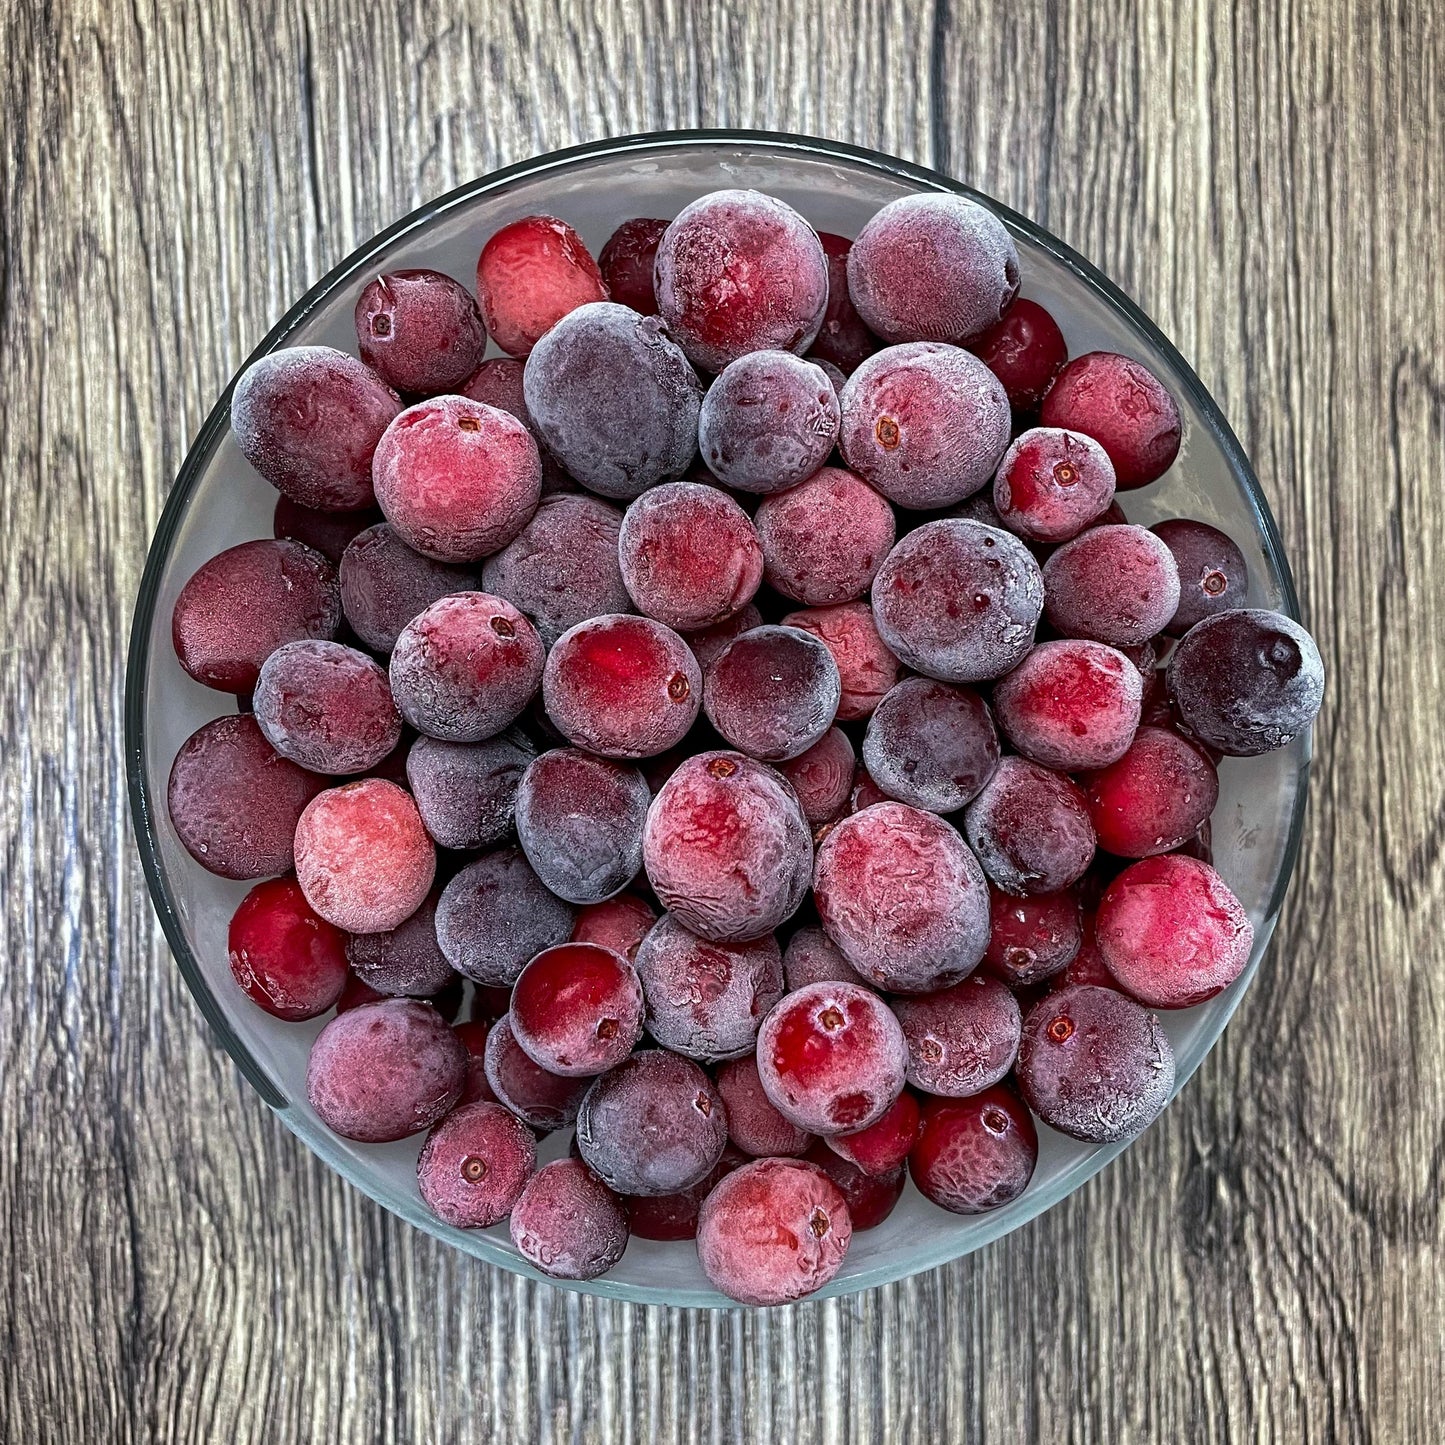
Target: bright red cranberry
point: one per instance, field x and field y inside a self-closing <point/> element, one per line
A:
<point x="474" y="1165"/>
<point x="844" y="339"/>
<point x="239" y="607"/>
<point x="308" y="418"/>
<point x="773" y="692"/>
<point x="975" y="1154"/>
<point x="329" y="533"/>
<point x="1247" y="682"/>
<point x="902" y="896"/>
<point x="619" y="923"/>
<point x="1213" y="576"/>
<point x="689" y="554"/>
<point x="739" y="271"/>
<point x="568" y="1223"/>
<point x="1124" y="407"/>
<point x="457" y="479"/>
<point x="773" y="1231"/>
<point x="812" y="957"/>
<point x="406" y="962"/>
<point x="961" y="1039"/>
<point x="385" y="1070"/>
<point x="288" y="959"/>
<point x="931" y="745"/>
<point x="824" y="540"/>
<point x="496" y="915"/>
<point x="476" y="1090"/>
<point x="706" y="1000"/>
<point x="1154" y="798"/>
<point x="925" y="424"/>
<point x="539" y="1098"/>
<point x="768" y="422"/>
<point x="1094" y="1065"/>
<point x="870" y="1200"/>
<point x="530" y="274"/>
<point x="882" y="1148"/>
<point x="1026" y="351"/>
<point x="708" y="642"/>
<point x="958" y="601"/>
<point x="1113" y="584"/>
<point x="1052" y="484"/>
<point x="420" y="331"/>
<point x="621" y="686"/>
<point x="832" y="1057"/>
<point x="1031" y="939"/>
<point x="674" y="1216"/>
<point x="627" y="262"/>
<point x="727" y="848"/>
<point x="384" y="584"/>
<point x="754" y="1124"/>
<point x="866" y="668"/>
<point x="1030" y="828"/>
<point x="466" y="792"/>
<point x="234" y="801"/>
<point x="654" y="1125"/>
<point x="822" y="777"/>
<point x="933" y="268"/>
<point x="577" y="1009"/>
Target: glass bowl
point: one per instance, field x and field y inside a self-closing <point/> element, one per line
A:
<point x="218" y="500"/>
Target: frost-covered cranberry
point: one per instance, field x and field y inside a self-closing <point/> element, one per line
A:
<point x="385" y="1070"/>
<point x="689" y="555"/>
<point x="1113" y="584"/>
<point x="1032" y="939"/>
<point x="706" y="1000"/>
<point x="577" y="1009"/>
<point x="284" y="955"/>
<point x="726" y="847"/>
<point x="931" y="745"/>
<point x="975" y="1154"/>
<point x="870" y="1200"/>
<point x="530" y="275"/>
<point x="844" y="339"/>
<point x="865" y="792"/>
<point x="308" y="418"/>
<point x="822" y="777"/>
<point x="1026" y="351"/>
<point x="495" y="915"/>
<point x="407" y="961"/>
<point x="739" y="271"/>
<point x="1154" y="798"/>
<point x="568" y="1223"/>
<point x="933" y="268"/>
<point x="812" y="957"/>
<point x="1052" y="484"/>
<point x="1124" y="407"/>
<point x="457" y="479"/>
<point x="674" y="1216"/>
<point x="621" y="686"/>
<point x="1094" y="1065"/>
<point x="239" y="607"/>
<point x="627" y="262"/>
<point x="466" y="792"/>
<point x="958" y="601"/>
<point x="329" y="533"/>
<point x="902" y="896"/>
<point x="384" y="584"/>
<point x="1030" y="828"/>
<point x="1171" y="932"/>
<point x="883" y="1146"/>
<point x="1087" y="965"/>
<point x="420" y="331"/>
<point x="754" y="1124"/>
<point x="768" y="422"/>
<point x="773" y="1231"/>
<point x="824" y="540"/>
<point x="773" y="692"/>
<point x="474" y="1165"/>
<point x="234" y="801"/>
<point x="925" y="424"/>
<point x="961" y="1039"/>
<point x="619" y="923"/>
<point x="539" y="1098"/>
<point x="866" y="668"/>
<point x="476" y="1090"/>
<point x="1213" y="576"/>
<point x="707" y="643"/>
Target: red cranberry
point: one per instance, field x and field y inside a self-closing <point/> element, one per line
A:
<point x="866" y="668"/>
<point x="708" y="642"/>
<point x="1087" y="965"/>
<point x="474" y="1165"/>
<point x="870" y="1201"/>
<point x="530" y="274"/>
<point x="1026" y="351"/>
<point x="961" y="1039"/>
<point x="1030" y="828"/>
<point x="1032" y="939"/>
<point x="288" y="959"/>
<point x="384" y="584"/>
<point x="619" y="923"/>
<point x="881" y="1148"/>
<point x="495" y="915"/>
<point x="1113" y="584"/>
<point x="931" y="745"/>
<point x="754" y="1125"/>
<point x="627" y="262"/>
<point x="674" y="1216"/>
<point x="1213" y="576"/>
<point x="476" y="1090"/>
<point x="420" y="331"/>
<point x="865" y="792"/>
<point x="812" y="957"/>
<point x="568" y="1223"/>
<point x="356" y="994"/>
<point x="843" y="340"/>
<point x="822" y="777"/>
<point x="577" y="1009"/>
<point x="329" y="533"/>
<point x="975" y="1154"/>
<point x="539" y="1098"/>
<point x="406" y="962"/>
<point x="773" y="692"/>
<point x="1154" y="798"/>
<point x="1052" y="484"/>
<point x="466" y="792"/>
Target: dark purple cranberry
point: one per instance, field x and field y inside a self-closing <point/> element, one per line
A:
<point x="773" y="692"/>
<point x="466" y="792"/>
<point x="407" y="962"/>
<point x="496" y="915"/>
<point x="844" y="339"/>
<point x="539" y="1098"/>
<point x="420" y="331"/>
<point x="627" y="262"/>
<point x="568" y="1223"/>
<point x="1030" y="828"/>
<point x="329" y="533"/>
<point x="870" y="1201"/>
<point x="385" y="584"/>
<point x="1032" y="939"/>
<point x="931" y="745"/>
<point x="674" y="1216"/>
<point x="1213" y="576"/>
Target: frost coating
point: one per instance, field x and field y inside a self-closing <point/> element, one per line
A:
<point x="866" y="668"/>
<point x="568" y="1223"/>
<point x="773" y="692"/>
<point x="931" y="745"/>
<point x="961" y="1039"/>
<point x="496" y="915"/>
<point x="385" y="583"/>
<point x="466" y="792"/>
<point x="1030" y="828"/>
<point x="1114" y="584"/>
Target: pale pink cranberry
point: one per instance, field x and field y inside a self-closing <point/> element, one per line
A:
<point x="866" y="668"/>
<point x="568" y="1223"/>
<point x="961" y="1039"/>
<point x="1118" y="585"/>
<point x="1052" y="484"/>
<point x="530" y="274"/>
<point x="475" y="1164"/>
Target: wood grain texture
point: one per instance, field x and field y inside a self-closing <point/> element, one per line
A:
<point x="1266" y="1264"/>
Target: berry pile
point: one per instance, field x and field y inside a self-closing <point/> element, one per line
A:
<point x="733" y="723"/>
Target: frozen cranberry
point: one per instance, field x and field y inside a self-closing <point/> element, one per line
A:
<point x="822" y="777"/>
<point x="1031" y="939"/>
<point x="499" y="383"/>
<point x="406" y="962"/>
<point x="726" y="847"/>
<point x="975" y="1154"/>
<point x="773" y="692"/>
<point x="689" y="554"/>
<point x="768" y="422"/>
<point x="614" y="399"/>
<point x="457" y="479"/>
<point x="466" y="667"/>
<point x="931" y="745"/>
<point x="961" y="1039"/>
<point x="530" y="274"/>
<point x="812" y="957"/>
<point x="476" y="1090"/>
<point x="1247" y="682"/>
<point x="384" y="584"/>
<point x="866" y="668"/>
<point x="420" y="331"/>
<point x="239" y="607"/>
<point x="1071" y="705"/>
<point x="870" y="1200"/>
<point x="901" y="895"/>
<point x="674" y="1216"/>
<point x="495" y="915"/>
<point x="1030" y="828"/>
<point x="958" y="601"/>
<point x="308" y="418"/>
<point x="926" y="424"/>
<point x="1094" y="1065"/>
<point x="773" y="1231"/>
<point x="627" y="262"/>
<point x="707" y="643"/>
<point x="1087" y="965"/>
<point x="843" y="340"/>
<point x="619" y="923"/>
<point x="577" y="1009"/>
<point x="385" y="1070"/>
<point x="865" y="792"/>
<point x="706" y="1000"/>
<point x="1052" y="484"/>
<point x="329" y="533"/>
<point x="1213" y="576"/>
<point x="825" y="539"/>
<point x="754" y="1125"/>
<point x="539" y="1098"/>
<point x="1124" y="407"/>
<point x="654" y="1125"/>
<point x="1113" y="584"/>
<point x="288" y="959"/>
<point x="474" y="1165"/>
<point x="1153" y="798"/>
<point x="739" y="271"/>
<point x="1172" y="933"/>
<point x="1026" y="351"/>
<point x="466" y="792"/>
<point x="568" y="1223"/>
<point x="621" y="686"/>
<point x="235" y="802"/>
<point x="881" y="1148"/>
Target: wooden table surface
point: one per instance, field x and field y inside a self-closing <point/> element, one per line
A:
<point x="1266" y="1263"/>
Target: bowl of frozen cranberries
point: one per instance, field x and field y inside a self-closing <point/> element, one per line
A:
<point x="718" y="718"/>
